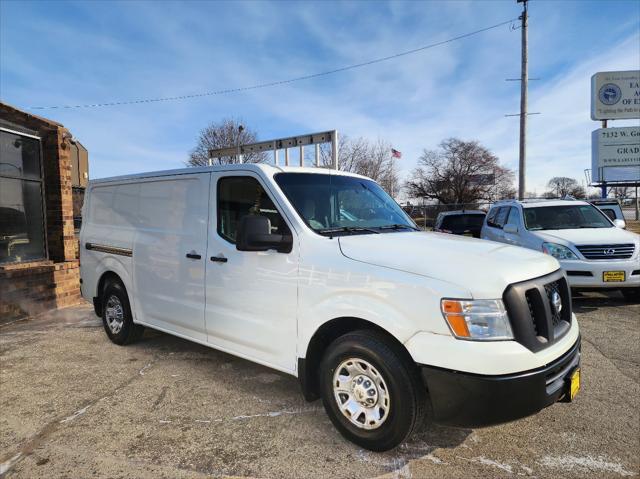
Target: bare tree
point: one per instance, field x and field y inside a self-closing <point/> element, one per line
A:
<point x="621" y="192"/>
<point x="367" y="158"/>
<point x="226" y="133"/>
<point x="460" y="172"/>
<point x="560" y="186"/>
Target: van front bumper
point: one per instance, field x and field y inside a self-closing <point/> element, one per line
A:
<point x="463" y="399"/>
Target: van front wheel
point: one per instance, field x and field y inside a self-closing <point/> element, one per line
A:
<point x="371" y="393"/>
<point x="116" y="315"/>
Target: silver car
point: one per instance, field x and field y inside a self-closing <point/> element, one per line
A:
<point x="592" y="250"/>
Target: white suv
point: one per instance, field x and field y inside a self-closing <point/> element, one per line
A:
<point x="321" y="275"/>
<point x="593" y="252"/>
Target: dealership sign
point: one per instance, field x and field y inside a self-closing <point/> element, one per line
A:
<point x="615" y="154"/>
<point x="615" y="95"/>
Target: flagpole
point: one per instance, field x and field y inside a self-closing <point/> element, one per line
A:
<point x="391" y="176"/>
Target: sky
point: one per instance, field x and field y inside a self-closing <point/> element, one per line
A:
<point x="68" y="53"/>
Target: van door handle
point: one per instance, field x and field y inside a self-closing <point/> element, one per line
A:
<point x="218" y="259"/>
<point x="193" y="256"/>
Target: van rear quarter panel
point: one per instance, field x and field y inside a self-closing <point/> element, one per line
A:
<point x="107" y="222"/>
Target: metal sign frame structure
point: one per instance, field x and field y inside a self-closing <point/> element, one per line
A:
<point x="275" y="145"/>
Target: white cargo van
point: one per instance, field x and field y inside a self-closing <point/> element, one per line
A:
<point x="321" y="275"/>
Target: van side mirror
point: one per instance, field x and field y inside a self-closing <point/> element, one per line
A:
<point x="254" y="234"/>
<point x="510" y="228"/>
<point x="622" y="224"/>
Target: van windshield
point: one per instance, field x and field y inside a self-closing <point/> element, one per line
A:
<point x="565" y="217"/>
<point x="337" y="204"/>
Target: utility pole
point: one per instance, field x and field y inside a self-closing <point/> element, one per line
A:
<point x="524" y="80"/>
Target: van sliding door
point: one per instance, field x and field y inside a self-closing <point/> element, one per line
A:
<point x="169" y="253"/>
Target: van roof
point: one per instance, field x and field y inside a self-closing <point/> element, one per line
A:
<point x="267" y="169"/>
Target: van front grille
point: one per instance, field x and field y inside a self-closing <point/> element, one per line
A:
<point x="539" y="310"/>
<point x="607" y="251"/>
<point x="553" y="291"/>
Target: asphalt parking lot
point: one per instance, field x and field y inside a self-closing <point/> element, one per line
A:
<point x="72" y="404"/>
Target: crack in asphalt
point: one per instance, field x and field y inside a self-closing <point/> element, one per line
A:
<point x="161" y="396"/>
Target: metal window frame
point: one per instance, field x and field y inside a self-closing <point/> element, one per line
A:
<point x="43" y="193"/>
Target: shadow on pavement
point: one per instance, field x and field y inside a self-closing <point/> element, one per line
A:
<point x="588" y="301"/>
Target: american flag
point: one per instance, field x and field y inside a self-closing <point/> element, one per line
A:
<point x="395" y="153"/>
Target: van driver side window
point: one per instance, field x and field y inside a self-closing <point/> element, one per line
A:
<point x="243" y="195"/>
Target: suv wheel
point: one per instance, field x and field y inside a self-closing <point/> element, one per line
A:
<point x="632" y="295"/>
<point x="116" y="315"/>
<point x="373" y="396"/>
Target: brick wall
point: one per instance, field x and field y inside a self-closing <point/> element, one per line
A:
<point x="29" y="288"/>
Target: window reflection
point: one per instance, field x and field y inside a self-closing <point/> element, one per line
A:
<point x="21" y="211"/>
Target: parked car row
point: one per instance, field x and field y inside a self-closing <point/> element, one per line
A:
<point x="589" y="241"/>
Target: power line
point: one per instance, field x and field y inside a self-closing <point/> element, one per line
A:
<point x="279" y="82"/>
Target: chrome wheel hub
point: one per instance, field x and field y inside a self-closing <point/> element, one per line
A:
<point x="114" y="314"/>
<point x="361" y="393"/>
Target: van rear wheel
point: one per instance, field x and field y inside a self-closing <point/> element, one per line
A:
<point x="116" y="315"/>
<point x="372" y="394"/>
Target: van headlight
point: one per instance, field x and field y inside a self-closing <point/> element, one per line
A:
<point x="480" y="319"/>
<point x="558" y="251"/>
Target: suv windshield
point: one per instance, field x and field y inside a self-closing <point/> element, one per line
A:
<point x="565" y="217"/>
<point x="336" y="204"/>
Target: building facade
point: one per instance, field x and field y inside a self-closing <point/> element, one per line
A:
<point x="43" y="172"/>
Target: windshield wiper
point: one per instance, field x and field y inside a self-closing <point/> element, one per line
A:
<point x="397" y="226"/>
<point x="347" y="229"/>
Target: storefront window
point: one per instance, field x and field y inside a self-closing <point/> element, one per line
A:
<point x="21" y="193"/>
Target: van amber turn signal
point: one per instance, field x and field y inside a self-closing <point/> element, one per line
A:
<point x="452" y="311"/>
<point x="480" y="319"/>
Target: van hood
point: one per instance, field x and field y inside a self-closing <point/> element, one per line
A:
<point x="484" y="268"/>
<point x="589" y="236"/>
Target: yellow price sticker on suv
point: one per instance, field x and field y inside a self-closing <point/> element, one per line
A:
<point x="574" y="385"/>
<point x="613" y="276"/>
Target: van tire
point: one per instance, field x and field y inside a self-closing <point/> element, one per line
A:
<point x="631" y="295"/>
<point x="118" y="322"/>
<point x="392" y="371"/>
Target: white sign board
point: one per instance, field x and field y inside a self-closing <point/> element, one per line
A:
<point x="615" y="154"/>
<point x="615" y="95"/>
